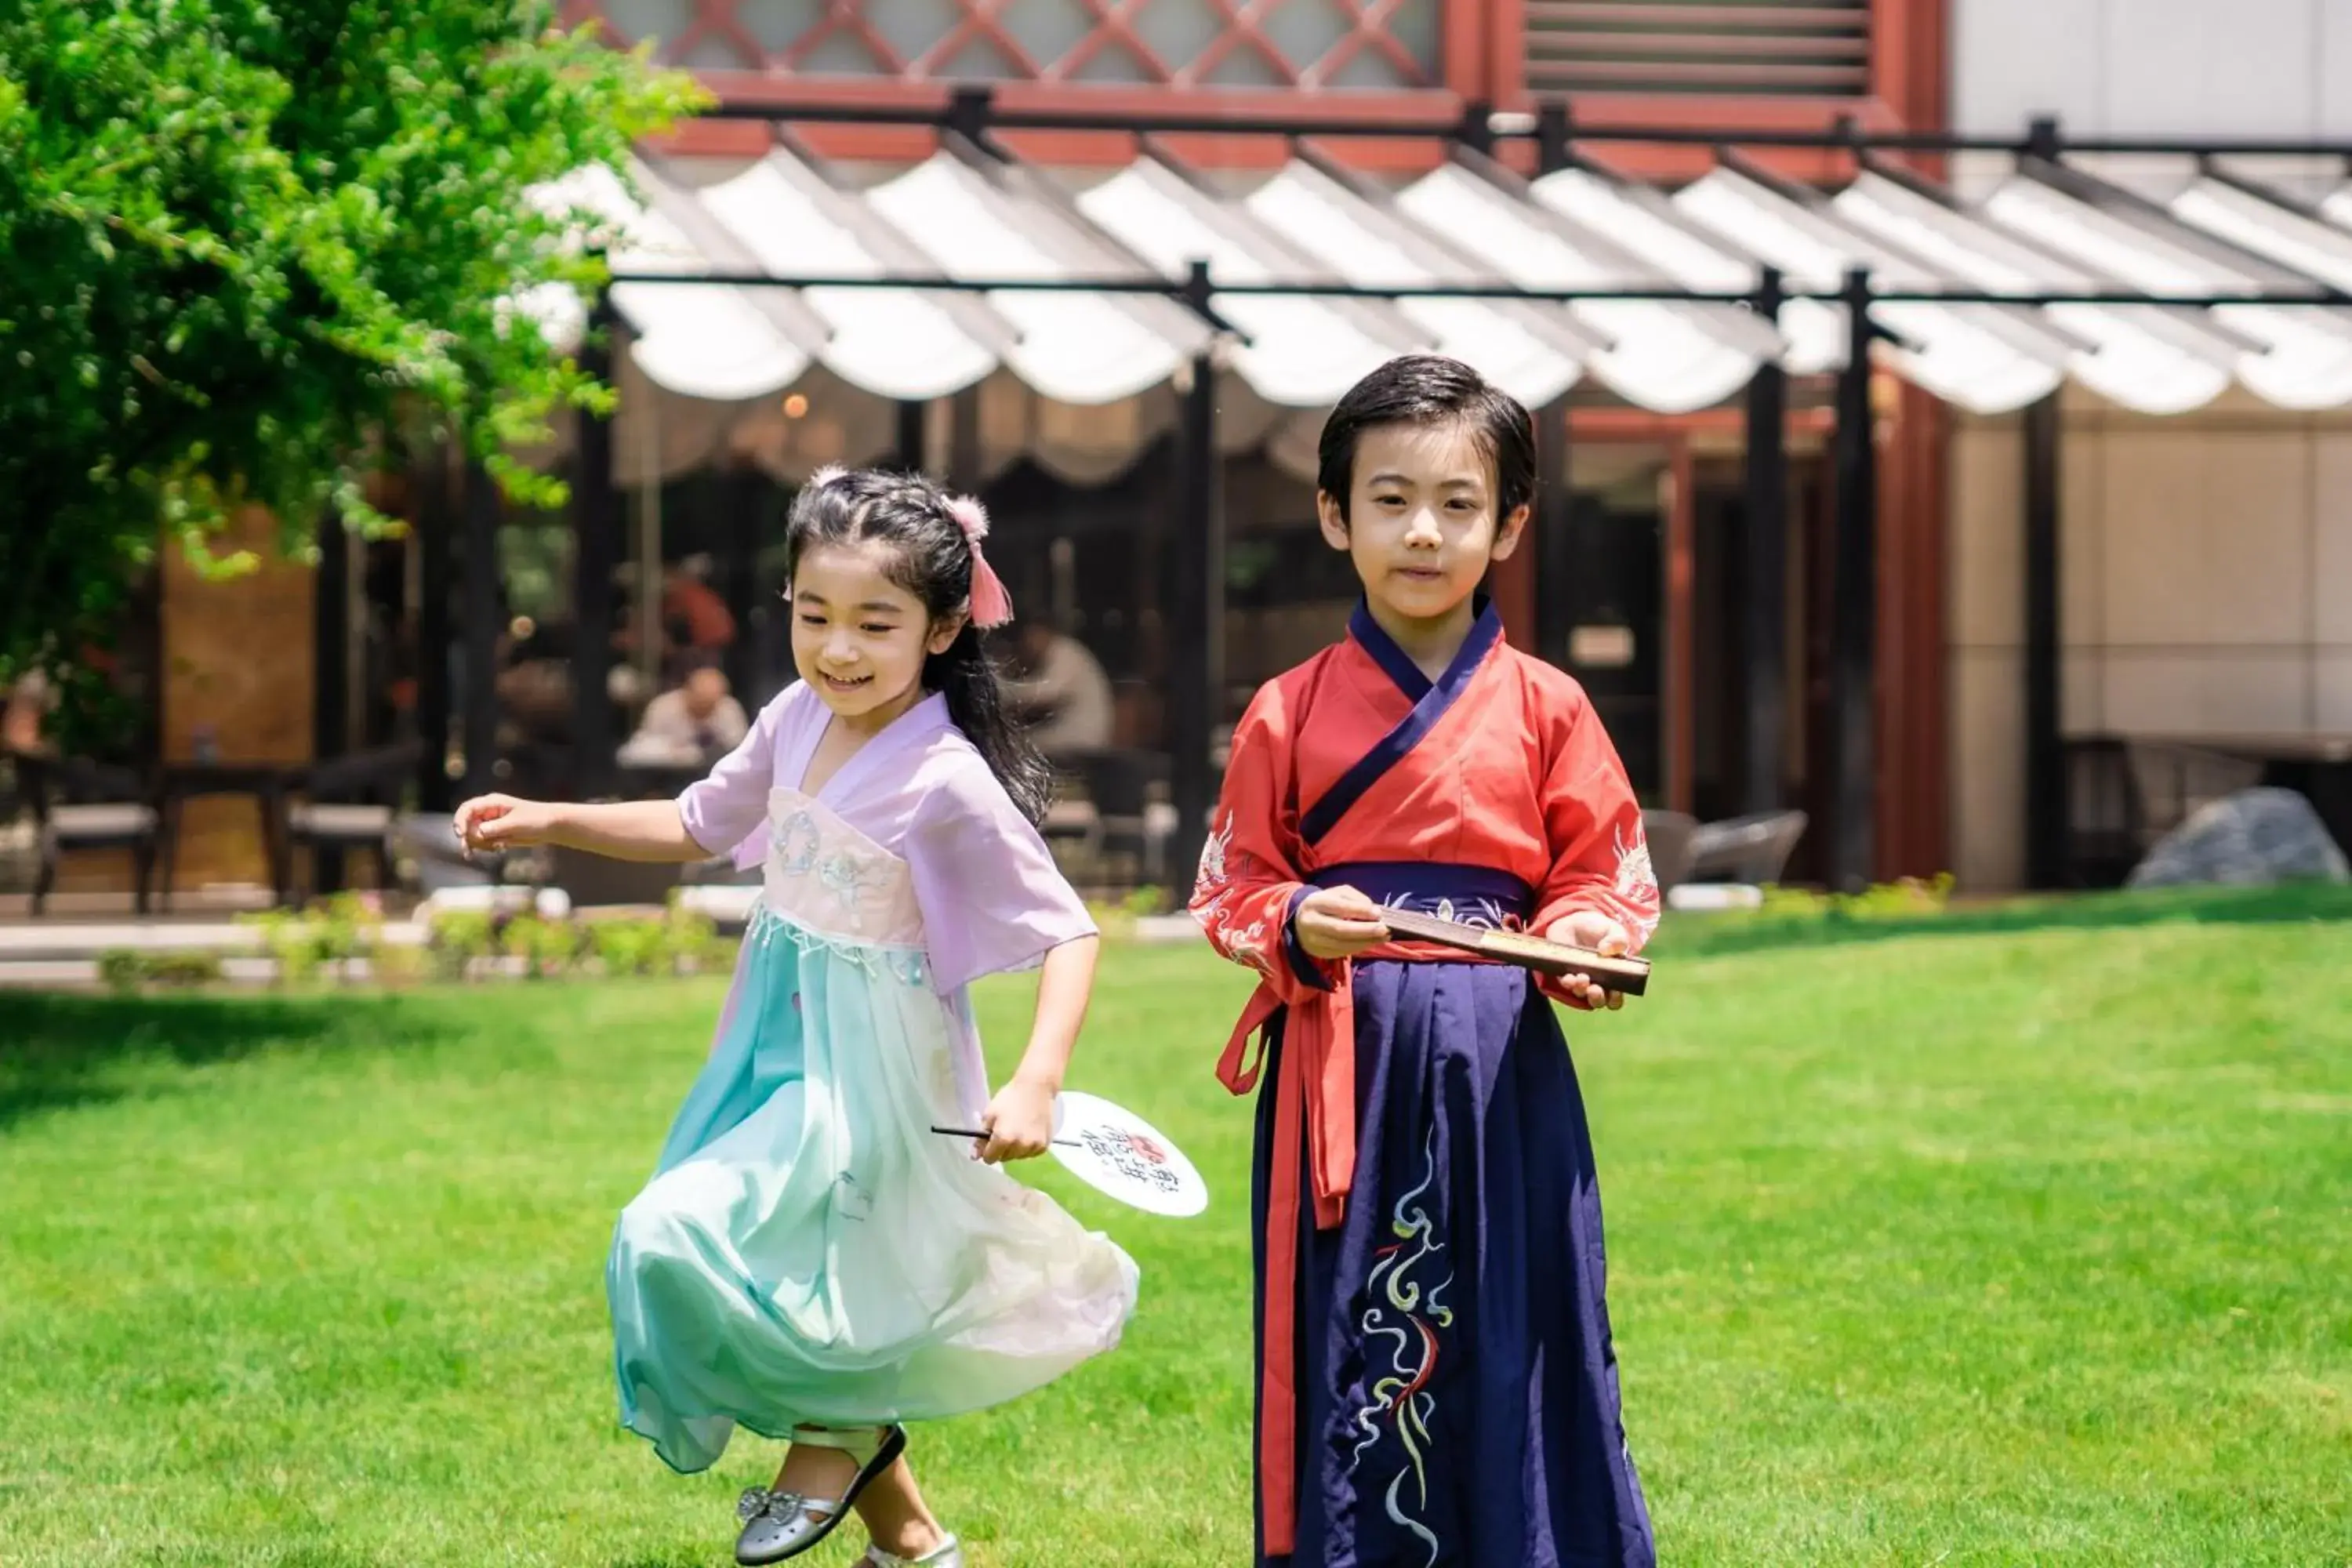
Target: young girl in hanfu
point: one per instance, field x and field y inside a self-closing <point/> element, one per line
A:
<point x="1436" y="1380"/>
<point x="810" y="1260"/>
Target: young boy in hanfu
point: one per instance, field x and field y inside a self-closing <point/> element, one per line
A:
<point x="1436" y="1380"/>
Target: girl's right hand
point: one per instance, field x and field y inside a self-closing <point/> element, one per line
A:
<point x="1339" y="922"/>
<point x="502" y="822"/>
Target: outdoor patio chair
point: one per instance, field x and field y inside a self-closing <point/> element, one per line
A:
<point x="593" y="881"/>
<point x="2122" y="796"/>
<point x="2173" y="782"/>
<point x="1672" y="837"/>
<point x="1073" y="828"/>
<point x="2106" y="818"/>
<point x="1119" y="783"/>
<point x="78" y="804"/>
<point x="424" y="848"/>
<point x="1750" y="850"/>
<point x="349" y="804"/>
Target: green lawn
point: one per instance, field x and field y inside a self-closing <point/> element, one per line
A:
<point x="2020" y="1240"/>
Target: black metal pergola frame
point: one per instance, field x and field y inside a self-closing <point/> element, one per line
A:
<point x="1198" y="596"/>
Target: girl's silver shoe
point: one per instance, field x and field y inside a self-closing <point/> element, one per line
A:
<point x="778" y="1525"/>
<point x="948" y="1554"/>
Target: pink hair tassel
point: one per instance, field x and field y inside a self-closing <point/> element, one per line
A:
<point x="991" y="606"/>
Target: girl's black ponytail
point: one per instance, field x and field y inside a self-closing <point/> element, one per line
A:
<point x="968" y="677"/>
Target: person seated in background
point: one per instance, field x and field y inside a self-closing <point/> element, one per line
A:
<point x="1060" y="691"/>
<point x="32" y="704"/>
<point x="698" y="719"/>
<point x="695" y="624"/>
<point x="26" y="721"/>
<point x="694" y="618"/>
<point x="534" y="686"/>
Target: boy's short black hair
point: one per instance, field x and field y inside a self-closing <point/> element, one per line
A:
<point x="1429" y="389"/>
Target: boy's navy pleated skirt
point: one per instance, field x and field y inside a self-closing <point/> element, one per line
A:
<point x="1458" y="1383"/>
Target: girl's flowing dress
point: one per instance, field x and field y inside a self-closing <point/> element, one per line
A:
<point x="808" y="1251"/>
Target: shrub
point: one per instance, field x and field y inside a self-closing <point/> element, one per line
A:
<point x="127" y="971"/>
<point x="546" y="947"/>
<point x="456" y="941"/>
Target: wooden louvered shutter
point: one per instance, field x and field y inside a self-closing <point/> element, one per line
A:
<point x="1809" y="49"/>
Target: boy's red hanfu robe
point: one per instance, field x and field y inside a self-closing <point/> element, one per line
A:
<point x="1436" y="1380"/>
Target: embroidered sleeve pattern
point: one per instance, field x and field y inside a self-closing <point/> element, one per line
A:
<point x="1249" y="882"/>
<point x="1600" y="858"/>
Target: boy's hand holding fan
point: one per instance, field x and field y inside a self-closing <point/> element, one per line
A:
<point x="1595" y="932"/>
<point x="1595" y="973"/>
<point x="1341" y="923"/>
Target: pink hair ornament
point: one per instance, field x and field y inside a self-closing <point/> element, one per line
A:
<point x="991" y="606"/>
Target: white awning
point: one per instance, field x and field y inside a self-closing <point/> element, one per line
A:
<point x="1646" y="221"/>
<point x="1667" y="357"/>
<point x="716" y="343"/>
<point x="895" y="343"/>
<point x="1987" y="359"/>
<point x="1086" y="348"/>
<point x="2302" y="356"/>
<point x="2152" y="358"/>
<point x="1303" y="352"/>
<point x="1535" y="353"/>
<point x="1078" y="378"/>
<point x="2271" y="227"/>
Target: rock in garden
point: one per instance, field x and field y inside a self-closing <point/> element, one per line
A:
<point x="2255" y="836"/>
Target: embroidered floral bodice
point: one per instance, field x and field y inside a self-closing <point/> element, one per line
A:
<point x="830" y="879"/>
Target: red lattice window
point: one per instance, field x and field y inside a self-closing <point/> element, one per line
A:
<point x="1182" y="43"/>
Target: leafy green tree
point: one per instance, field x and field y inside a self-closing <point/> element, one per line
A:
<point x="249" y="247"/>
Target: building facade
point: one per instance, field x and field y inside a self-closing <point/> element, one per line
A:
<point x="2205" y="558"/>
<point x="2201" y="552"/>
<point x="1657" y="513"/>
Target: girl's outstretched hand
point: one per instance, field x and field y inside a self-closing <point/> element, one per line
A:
<point x="1020" y="1122"/>
<point x="502" y="822"/>
<point x="1595" y="932"/>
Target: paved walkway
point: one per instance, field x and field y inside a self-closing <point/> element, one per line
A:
<point x="23" y="941"/>
<point x="63" y="951"/>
